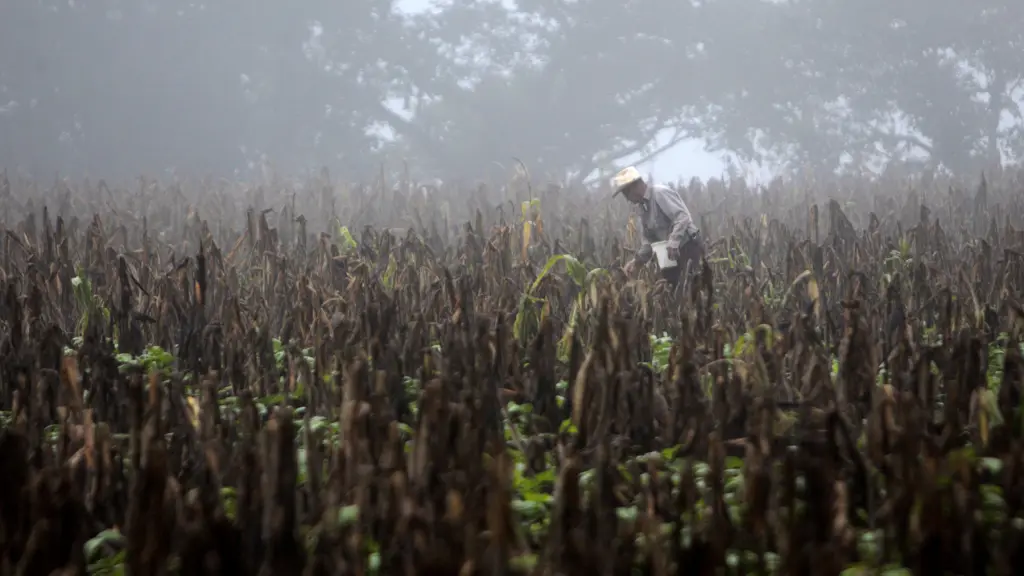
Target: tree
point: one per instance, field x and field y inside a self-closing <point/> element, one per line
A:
<point x="569" y="87"/>
<point x="821" y="84"/>
<point x="126" y="87"/>
<point x="880" y="79"/>
<point x="562" y="86"/>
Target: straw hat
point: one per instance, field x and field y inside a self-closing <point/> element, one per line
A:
<point x="624" y="178"/>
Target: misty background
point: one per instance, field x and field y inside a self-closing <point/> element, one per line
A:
<point x="573" y="88"/>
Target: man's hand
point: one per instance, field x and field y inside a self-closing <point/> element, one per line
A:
<point x="673" y="253"/>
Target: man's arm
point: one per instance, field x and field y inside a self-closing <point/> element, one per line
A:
<point x="672" y="204"/>
<point x="644" y="254"/>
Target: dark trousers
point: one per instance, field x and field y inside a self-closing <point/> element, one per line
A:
<point x="689" y="258"/>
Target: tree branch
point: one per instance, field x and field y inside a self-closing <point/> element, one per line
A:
<point x="897" y="139"/>
<point x="679" y="135"/>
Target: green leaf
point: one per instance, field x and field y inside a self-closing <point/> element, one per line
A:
<point x="661" y="349"/>
<point x="525" y="311"/>
<point x="229" y="499"/>
<point x="567" y="427"/>
<point x="348" y="515"/>
<point x="94" y="545"/>
<point x="593" y="274"/>
<point x="741" y="345"/>
<point x="317" y="423"/>
<point x="523" y="562"/>
<point x="993" y="465"/>
<point x="577" y="271"/>
<point x="626" y="513"/>
<point x="110" y="566"/>
<point x="525" y="207"/>
<point x="388" y="278"/>
<point x="732" y="559"/>
<point x="300" y="457"/>
<point x="565" y="343"/>
<point x="992" y="496"/>
<point x="537" y="497"/>
<point x="343" y="238"/>
<point x="531" y="509"/>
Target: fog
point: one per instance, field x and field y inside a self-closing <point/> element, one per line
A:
<point x="571" y="89"/>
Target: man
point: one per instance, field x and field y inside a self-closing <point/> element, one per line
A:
<point x="664" y="217"/>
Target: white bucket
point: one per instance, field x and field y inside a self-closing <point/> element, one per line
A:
<point x="661" y="253"/>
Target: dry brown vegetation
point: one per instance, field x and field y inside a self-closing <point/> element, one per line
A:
<point x="215" y="378"/>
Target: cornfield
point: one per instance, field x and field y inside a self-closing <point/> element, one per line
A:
<point x="213" y="377"/>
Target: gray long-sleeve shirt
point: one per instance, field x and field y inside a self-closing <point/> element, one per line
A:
<point x="664" y="216"/>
